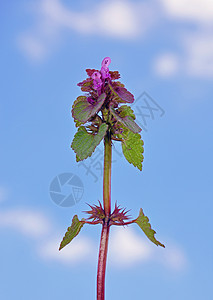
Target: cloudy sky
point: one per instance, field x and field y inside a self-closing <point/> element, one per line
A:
<point x="164" y="52"/>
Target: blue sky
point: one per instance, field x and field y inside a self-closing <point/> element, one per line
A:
<point x="161" y="47"/>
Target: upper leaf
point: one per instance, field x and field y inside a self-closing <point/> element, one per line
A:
<point x="84" y="143"/>
<point x="115" y="84"/>
<point x="72" y="231"/>
<point x="82" y="110"/>
<point x="114" y="75"/>
<point x="91" y="71"/>
<point x="86" y="85"/>
<point x="127" y="120"/>
<point x="121" y="94"/>
<point x="79" y="99"/>
<point x="143" y="223"/>
<point x="132" y="148"/>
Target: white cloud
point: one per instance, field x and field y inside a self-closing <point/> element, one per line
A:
<point x="127" y="249"/>
<point x="196" y="58"/>
<point x="195" y="61"/>
<point x="174" y="258"/>
<point x="199" y="54"/>
<point x="33" y="46"/>
<point x="81" y="248"/>
<point x="166" y="65"/>
<point x="28" y="222"/>
<point x="200" y="11"/>
<point x="118" y="19"/>
<point x="55" y="15"/>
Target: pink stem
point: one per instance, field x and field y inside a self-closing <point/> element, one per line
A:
<point x="102" y="262"/>
<point x="102" y="259"/>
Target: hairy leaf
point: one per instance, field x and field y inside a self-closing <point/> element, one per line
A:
<point x="86" y="85"/>
<point x="79" y="99"/>
<point x="77" y="123"/>
<point x="82" y="110"/>
<point x="85" y="82"/>
<point x="91" y="71"/>
<point x="132" y="148"/>
<point x="126" y="110"/>
<point x="72" y="231"/>
<point x="127" y="121"/>
<point x="84" y="143"/>
<point x="116" y="84"/>
<point x="143" y="223"/>
<point x="114" y="75"/>
<point x="121" y="94"/>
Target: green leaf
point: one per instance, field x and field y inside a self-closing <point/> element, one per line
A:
<point x="79" y="99"/>
<point x="84" y="143"/>
<point x="72" y="231"/>
<point x="132" y="148"/>
<point x="77" y="123"/>
<point x="82" y="110"/>
<point x="126" y="110"/>
<point x="127" y="120"/>
<point x="143" y="223"/>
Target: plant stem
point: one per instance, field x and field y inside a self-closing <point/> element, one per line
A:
<point x="107" y="208"/>
<point x="107" y="174"/>
<point x="102" y="262"/>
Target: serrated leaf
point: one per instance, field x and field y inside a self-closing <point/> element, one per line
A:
<point x="127" y="121"/>
<point x="132" y="148"/>
<point x="72" y="231"/>
<point x="77" y="123"/>
<point x="126" y="110"/>
<point x="86" y="82"/>
<point x="86" y="85"/>
<point x="84" y="143"/>
<point x="117" y="83"/>
<point x="91" y="71"/>
<point x="82" y="110"/>
<point x="80" y="98"/>
<point x="143" y="223"/>
<point x="114" y="75"/>
<point x="121" y="94"/>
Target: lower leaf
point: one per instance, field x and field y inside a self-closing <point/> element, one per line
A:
<point x="143" y="223"/>
<point x="72" y="231"/>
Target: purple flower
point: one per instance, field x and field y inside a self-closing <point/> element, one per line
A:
<point x="106" y="62"/>
<point x="104" y="68"/>
<point x="96" y="76"/>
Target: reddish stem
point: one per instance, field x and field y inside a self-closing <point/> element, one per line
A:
<point x="102" y="259"/>
<point x="102" y="262"/>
